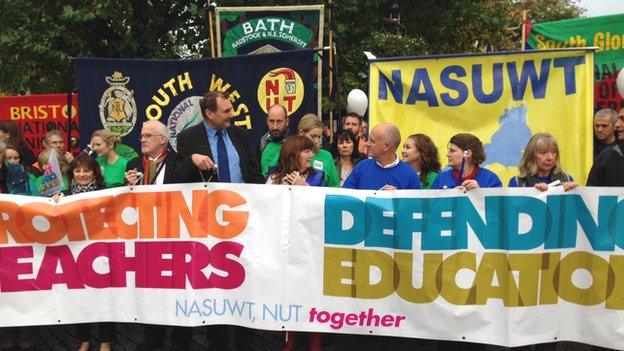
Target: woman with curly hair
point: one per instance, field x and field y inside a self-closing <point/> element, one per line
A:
<point x="420" y="152"/>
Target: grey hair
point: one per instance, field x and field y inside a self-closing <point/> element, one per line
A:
<point x="160" y="127"/>
<point x="607" y="112"/>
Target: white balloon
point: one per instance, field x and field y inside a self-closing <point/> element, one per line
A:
<point x="357" y="102"/>
<point x="620" y="82"/>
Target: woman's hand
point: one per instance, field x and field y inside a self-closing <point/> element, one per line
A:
<point x="469" y="184"/>
<point x="294" y="178"/>
<point x="569" y="185"/>
<point x="541" y="186"/>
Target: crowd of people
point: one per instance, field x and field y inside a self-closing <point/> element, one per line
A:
<point x="352" y="158"/>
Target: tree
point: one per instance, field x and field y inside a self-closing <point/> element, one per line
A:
<point x="434" y="27"/>
<point x="37" y="40"/>
<point x="551" y="10"/>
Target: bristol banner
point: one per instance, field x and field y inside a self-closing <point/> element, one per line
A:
<point x="604" y="32"/>
<point x="121" y="94"/>
<point x="258" y="30"/>
<point x="502" y="98"/>
<point x="37" y="114"/>
<point x="497" y="266"/>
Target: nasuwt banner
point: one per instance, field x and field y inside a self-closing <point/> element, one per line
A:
<point x="37" y="114"/>
<point x="121" y="94"/>
<point x="498" y="266"/>
<point x="502" y="98"/>
<point x="604" y="32"/>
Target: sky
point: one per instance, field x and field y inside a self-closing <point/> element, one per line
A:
<point x="602" y="7"/>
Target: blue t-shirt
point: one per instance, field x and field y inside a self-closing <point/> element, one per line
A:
<point x="513" y="182"/>
<point x="485" y="178"/>
<point x="367" y="174"/>
<point x="316" y="179"/>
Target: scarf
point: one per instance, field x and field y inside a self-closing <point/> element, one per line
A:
<point x="151" y="168"/>
<point x="534" y="179"/>
<point x="472" y="175"/>
<point x="77" y="188"/>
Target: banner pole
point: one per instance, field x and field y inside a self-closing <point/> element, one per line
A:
<point x="70" y="68"/>
<point x="334" y="51"/>
<point x="324" y="48"/>
<point x="524" y="16"/>
<point x="331" y="75"/>
<point x="211" y="7"/>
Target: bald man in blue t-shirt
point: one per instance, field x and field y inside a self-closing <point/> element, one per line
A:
<point x="383" y="170"/>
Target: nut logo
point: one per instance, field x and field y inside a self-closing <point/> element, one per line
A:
<point x="281" y="86"/>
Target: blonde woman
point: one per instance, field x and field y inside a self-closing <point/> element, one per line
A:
<point x="540" y="166"/>
<point x="311" y="126"/>
<point x="113" y="166"/>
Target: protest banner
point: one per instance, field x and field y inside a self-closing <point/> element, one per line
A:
<point x="258" y="30"/>
<point x="254" y="30"/>
<point x="606" y="33"/>
<point x="497" y="266"/>
<point x="121" y="94"/>
<point x="502" y="98"/>
<point x="37" y="114"/>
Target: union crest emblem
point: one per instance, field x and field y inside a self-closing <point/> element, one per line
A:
<point x="118" y="110"/>
<point x="282" y="86"/>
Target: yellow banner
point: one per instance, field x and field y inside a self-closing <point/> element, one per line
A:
<point x="501" y="98"/>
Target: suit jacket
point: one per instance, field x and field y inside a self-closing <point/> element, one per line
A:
<point x="170" y="176"/>
<point x="194" y="140"/>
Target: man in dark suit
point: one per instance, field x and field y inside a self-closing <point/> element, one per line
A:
<point x="215" y="148"/>
<point x="156" y="167"/>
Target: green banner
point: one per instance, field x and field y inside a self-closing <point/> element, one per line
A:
<point x="266" y="28"/>
<point x="252" y="30"/>
<point x="270" y="29"/>
<point x="606" y="33"/>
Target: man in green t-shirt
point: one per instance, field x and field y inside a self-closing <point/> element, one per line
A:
<point x="271" y="142"/>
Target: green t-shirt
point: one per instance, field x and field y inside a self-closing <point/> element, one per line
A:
<point x="431" y="176"/>
<point x="323" y="161"/>
<point x="126" y="152"/>
<point x="271" y="152"/>
<point x="114" y="174"/>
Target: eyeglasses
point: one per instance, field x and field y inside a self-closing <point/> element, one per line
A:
<point x="149" y="136"/>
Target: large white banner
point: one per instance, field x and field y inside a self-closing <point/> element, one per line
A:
<point x="498" y="266"/>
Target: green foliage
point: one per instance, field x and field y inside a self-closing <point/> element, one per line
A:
<point x="552" y="10"/>
<point x="38" y="37"/>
